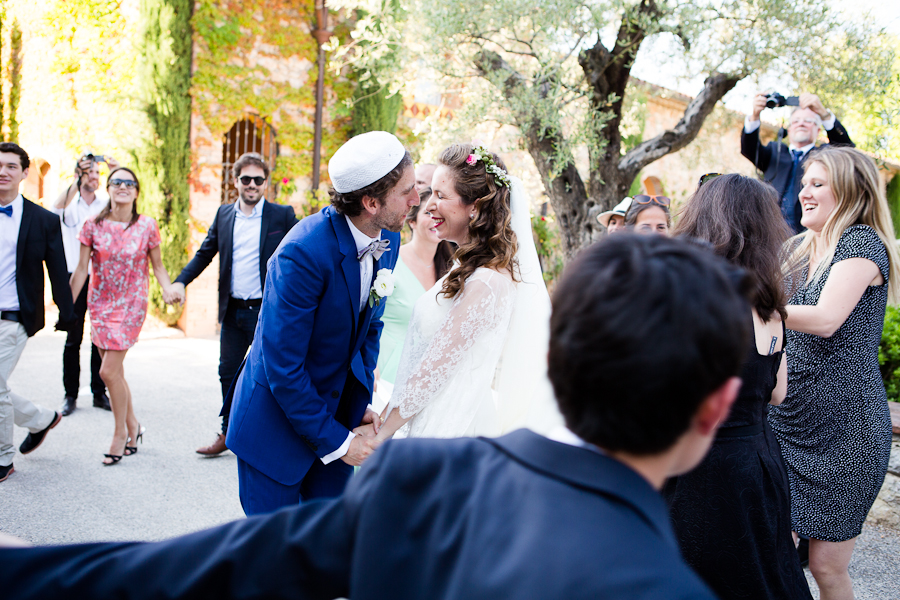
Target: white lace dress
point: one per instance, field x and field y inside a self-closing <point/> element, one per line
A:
<point x="448" y="363"/>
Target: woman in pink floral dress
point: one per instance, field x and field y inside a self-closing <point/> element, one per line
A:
<point x="118" y="244"/>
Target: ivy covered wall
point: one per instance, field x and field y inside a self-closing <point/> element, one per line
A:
<point x="164" y="159"/>
<point x="259" y="57"/>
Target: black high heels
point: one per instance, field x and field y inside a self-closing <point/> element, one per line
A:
<point x="129" y="450"/>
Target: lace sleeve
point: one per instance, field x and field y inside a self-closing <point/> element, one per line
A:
<point x="482" y="307"/>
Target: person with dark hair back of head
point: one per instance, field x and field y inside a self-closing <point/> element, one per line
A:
<point x="29" y="239"/>
<point x="244" y="235"/>
<point x="732" y="513"/>
<point x="520" y="516"/>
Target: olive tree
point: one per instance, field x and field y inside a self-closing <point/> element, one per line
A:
<point x="559" y="69"/>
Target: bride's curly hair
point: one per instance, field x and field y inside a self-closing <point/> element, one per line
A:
<point x="491" y="242"/>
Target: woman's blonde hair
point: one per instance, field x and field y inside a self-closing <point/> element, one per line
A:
<point x="491" y="242"/>
<point x="859" y="200"/>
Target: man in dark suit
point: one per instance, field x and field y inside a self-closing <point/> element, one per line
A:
<point x="29" y="238"/>
<point x="244" y="234"/>
<point x="522" y="516"/>
<point x="308" y="379"/>
<point x="782" y="165"/>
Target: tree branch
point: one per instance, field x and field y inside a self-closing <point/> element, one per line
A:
<point x="557" y="168"/>
<point x="684" y="132"/>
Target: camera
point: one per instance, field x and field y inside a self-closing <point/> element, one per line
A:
<point x="775" y="100"/>
<point x="97" y="158"/>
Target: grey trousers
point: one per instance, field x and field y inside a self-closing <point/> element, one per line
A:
<point x="15" y="409"/>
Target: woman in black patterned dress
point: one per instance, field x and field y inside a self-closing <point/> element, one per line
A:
<point x="834" y="426"/>
<point x="732" y="513"/>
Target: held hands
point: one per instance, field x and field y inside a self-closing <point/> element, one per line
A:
<point x="175" y="294"/>
<point x="362" y="446"/>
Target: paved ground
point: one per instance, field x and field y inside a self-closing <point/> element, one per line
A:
<point x="61" y="493"/>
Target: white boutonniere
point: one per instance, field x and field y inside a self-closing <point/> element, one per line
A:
<point x="382" y="287"/>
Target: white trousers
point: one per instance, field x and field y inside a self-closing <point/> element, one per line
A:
<point x="15" y="409"/>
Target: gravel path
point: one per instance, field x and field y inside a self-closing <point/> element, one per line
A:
<point x="62" y="494"/>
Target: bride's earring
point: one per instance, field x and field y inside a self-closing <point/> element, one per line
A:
<point x="472" y="216"/>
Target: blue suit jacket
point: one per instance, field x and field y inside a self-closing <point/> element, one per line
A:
<point x="312" y="347"/>
<point x="515" y="517"/>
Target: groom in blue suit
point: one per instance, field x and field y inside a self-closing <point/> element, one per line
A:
<point x="522" y="516"/>
<point x="308" y="378"/>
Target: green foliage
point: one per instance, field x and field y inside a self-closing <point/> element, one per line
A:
<point x="546" y="242"/>
<point x="373" y="110"/>
<point x="889" y="353"/>
<point x="164" y="161"/>
<point x="866" y="96"/>
<point x="225" y="87"/>
<point x="893" y="198"/>
<point x="15" y="79"/>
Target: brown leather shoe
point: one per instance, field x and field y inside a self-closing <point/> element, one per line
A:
<point x="214" y="449"/>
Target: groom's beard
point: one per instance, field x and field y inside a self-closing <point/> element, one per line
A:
<point x="390" y="221"/>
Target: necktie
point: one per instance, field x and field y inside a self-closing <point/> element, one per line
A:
<point x="376" y="249"/>
<point x="6" y="210"/>
<point x="797" y="154"/>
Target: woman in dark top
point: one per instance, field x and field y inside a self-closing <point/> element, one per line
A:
<point x="834" y="426"/>
<point x="732" y="513"/>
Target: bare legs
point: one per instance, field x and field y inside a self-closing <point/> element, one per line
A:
<point x="112" y="371"/>
<point x="829" y="563"/>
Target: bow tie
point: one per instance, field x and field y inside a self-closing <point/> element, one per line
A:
<point x="376" y="249"/>
<point x="6" y="210"/>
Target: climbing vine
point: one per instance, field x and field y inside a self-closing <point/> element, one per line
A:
<point x="252" y="57"/>
<point x="164" y="160"/>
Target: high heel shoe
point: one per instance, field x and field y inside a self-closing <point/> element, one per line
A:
<point x="129" y="450"/>
<point x="115" y="458"/>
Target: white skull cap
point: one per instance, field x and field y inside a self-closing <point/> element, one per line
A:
<point x="363" y="160"/>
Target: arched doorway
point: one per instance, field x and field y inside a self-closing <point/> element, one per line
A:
<point x="250" y="134"/>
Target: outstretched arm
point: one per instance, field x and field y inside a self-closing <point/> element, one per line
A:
<point x="170" y="295"/>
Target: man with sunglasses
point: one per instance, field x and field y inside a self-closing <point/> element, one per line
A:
<point x="782" y="165"/>
<point x="244" y="235"/>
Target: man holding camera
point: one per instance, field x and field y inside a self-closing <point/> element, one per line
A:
<point x="79" y="202"/>
<point x="782" y="166"/>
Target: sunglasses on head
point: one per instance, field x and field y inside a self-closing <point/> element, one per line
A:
<point x="707" y="177"/>
<point x="246" y="179"/>
<point x="122" y="183"/>
<point x="645" y="199"/>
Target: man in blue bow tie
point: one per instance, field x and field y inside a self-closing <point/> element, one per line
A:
<point x="307" y="381"/>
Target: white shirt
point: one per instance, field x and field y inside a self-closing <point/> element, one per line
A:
<point x="9" y="241"/>
<point x="366" y="267"/>
<point x="245" y="281"/>
<point x="72" y="219"/>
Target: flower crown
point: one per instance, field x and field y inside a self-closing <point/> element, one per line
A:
<point x="481" y="153"/>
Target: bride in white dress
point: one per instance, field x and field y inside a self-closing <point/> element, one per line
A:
<point x="474" y="361"/>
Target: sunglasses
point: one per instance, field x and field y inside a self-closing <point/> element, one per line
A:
<point x="707" y="177"/>
<point x="123" y="183"/>
<point x="246" y="179"/>
<point x="644" y="199"/>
